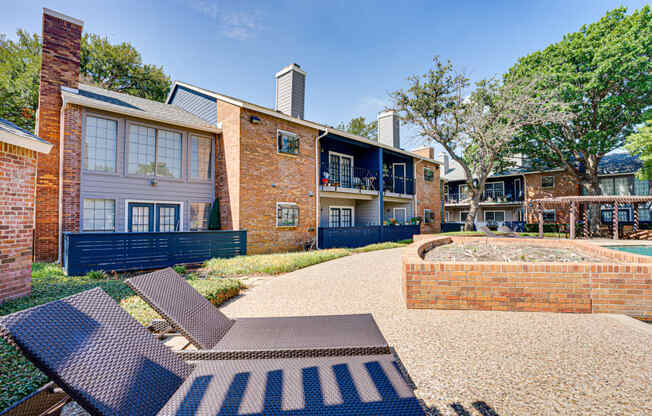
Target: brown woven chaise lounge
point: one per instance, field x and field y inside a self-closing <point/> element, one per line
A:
<point x="218" y="337"/>
<point x="111" y="365"/>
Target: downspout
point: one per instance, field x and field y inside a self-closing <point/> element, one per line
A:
<point x="317" y="186"/>
<point x="416" y="200"/>
<point x="60" y="211"/>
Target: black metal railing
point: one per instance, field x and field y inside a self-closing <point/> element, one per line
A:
<point x="363" y="235"/>
<point x="398" y="184"/>
<point x="492" y="196"/>
<point x="353" y="177"/>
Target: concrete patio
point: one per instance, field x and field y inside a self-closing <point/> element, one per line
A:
<point x="482" y="363"/>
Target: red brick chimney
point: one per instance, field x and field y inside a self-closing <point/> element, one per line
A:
<point x="60" y="66"/>
<point x="428" y="152"/>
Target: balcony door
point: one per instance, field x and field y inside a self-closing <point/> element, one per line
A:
<point x="340" y="168"/>
<point x="400" y="215"/>
<point x="149" y="217"/>
<point x="399" y="177"/>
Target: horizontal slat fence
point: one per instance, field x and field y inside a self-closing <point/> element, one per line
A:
<point x="352" y="237"/>
<point x="141" y="251"/>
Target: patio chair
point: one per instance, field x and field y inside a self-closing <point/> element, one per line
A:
<point x="216" y="336"/>
<point x="111" y="365"/>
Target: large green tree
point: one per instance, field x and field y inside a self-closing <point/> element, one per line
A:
<point x="360" y="127"/>
<point x="117" y="67"/>
<point x="603" y="73"/>
<point x="640" y="143"/>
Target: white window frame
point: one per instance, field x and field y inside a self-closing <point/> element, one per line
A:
<point x="554" y="214"/>
<point x="189" y="157"/>
<point x="517" y="189"/>
<point x="484" y="214"/>
<point x="115" y="214"/>
<point x="553" y="181"/>
<point x="144" y="201"/>
<point x="459" y="191"/>
<point x="400" y="208"/>
<point x="276" y="215"/>
<point x="493" y="184"/>
<point x="427" y="211"/>
<point x="278" y="150"/>
<point x="117" y="145"/>
<point x="157" y="128"/>
<point x="351" y="207"/>
<point x="341" y="155"/>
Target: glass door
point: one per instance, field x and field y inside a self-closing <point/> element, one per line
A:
<point x="399" y="178"/>
<point x="141" y="217"/>
<point x="146" y="217"/>
<point x="341" y="169"/>
<point x="167" y="217"/>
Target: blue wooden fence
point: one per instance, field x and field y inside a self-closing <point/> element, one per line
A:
<point x="361" y="236"/>
<point x="83" y="252"/>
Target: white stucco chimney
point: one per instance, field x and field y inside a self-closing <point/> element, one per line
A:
<point x="445" y="161"/>
<point x="388" y="129"/>
<point x="291" y="90"/>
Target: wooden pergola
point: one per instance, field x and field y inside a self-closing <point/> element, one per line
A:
<point x="576" y="201"/>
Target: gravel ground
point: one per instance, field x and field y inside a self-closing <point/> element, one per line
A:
<point x="483" y="251"/>
<point x="476" y="362"/>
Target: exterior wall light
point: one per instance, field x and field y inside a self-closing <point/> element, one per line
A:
<point x="254" y="120"/>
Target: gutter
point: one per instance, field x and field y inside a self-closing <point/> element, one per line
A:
<point x="317" y="186"/>
<point x="60" y="210"/>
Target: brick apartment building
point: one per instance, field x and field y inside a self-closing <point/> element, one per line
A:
<point x="125" y="164"/>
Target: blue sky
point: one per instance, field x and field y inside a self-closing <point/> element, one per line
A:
<point x="355" y="53"/>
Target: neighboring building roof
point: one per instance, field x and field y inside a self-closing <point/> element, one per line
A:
<point x="278" y="114"/>
<point x="102" y="99"/>
<point x="12" y="134"/>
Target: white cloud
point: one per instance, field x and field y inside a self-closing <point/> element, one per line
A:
<point x="234" y="24"/>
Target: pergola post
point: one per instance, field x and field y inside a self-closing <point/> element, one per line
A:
<point x="614" y="220"/>
<point x="540" y="214"/>
<point x="635" y="228"/>
<point x="587" y="234"/>
<point x="572" y="220"/>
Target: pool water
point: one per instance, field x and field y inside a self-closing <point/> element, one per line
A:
<point x="643" y="250"/>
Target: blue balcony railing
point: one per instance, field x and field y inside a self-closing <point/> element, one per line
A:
<point x="353" y="177"/>
<point x="487" y="197"/>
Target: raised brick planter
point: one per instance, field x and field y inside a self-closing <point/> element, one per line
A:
<point x="624" y="286"/>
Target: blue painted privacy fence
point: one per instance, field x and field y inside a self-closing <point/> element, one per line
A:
<point x="83" y="252"/>
<point x="361" y="236"/>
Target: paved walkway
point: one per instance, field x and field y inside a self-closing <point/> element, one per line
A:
<point x="472" y="361"/>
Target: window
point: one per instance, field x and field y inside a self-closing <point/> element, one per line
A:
<point x="547" y="181"/>
<point x="199" y="214"/>
<point x="607" y="215"/>
<point x="340" y="169"/>
<point x="428" y="175"/>
<point x="464" y="192"/>
<point x="494" y="216"/>
<point x="494" y="190"/>
<point x="641" y="187"/>
<point x="142" y="151"/>
<point x="340" y="217"/>
<point x="463" y="216"/>
<point x="428" y="216"/>
<point x="622" y="185"/>
<point x="169" y="154"/>
<point x="101" y="137"/>
<point x="549" y="215"/>
<point x="287" y="214"/>
<point x="201" y="158"/>
<point x="287" y="142"/>
<point x="99" y="215"/>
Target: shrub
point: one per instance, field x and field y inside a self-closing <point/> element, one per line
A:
<point x="180" y="269"/>
<point x="97" y="275"/>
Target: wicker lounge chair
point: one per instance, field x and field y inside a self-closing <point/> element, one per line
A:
<point x="111" y="365"/>
<point x="218" y="337"/>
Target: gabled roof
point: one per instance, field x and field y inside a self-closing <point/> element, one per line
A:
<point x="103" y="99"/>
<point x="12" y="134"/>
<point x="274" y="113"/>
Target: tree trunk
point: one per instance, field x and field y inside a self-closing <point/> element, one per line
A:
<point x="592" y="187"/>
<point x="473" y="210"/>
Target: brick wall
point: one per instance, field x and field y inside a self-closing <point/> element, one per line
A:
<point x="72" y="159"/>
<point x="624" y="286"/>
<point x="428" y="196"/>
<point x="565" y="185"/>
<point x="59" y="66"/>
<point x="267" y="177"/>
<point x="227" y="168"/>
<point x="17" y="174"/>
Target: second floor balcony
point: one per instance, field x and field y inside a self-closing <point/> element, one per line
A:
<point x="345" y="177"/>
<point x="488" y="197"/>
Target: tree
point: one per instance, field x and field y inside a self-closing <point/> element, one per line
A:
<point x="360" y="127"/>
<point x="603" y="72"/>
<point x="476" y="131"/>
<point x="116" y="67"/>
<point x="641" y="143"/>
<point x="20" y="65"/>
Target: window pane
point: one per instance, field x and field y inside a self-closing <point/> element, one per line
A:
<point x="287" y="215"/>
<point x="621" y="185"/>
<point x="347" y="217"/>
<point x="288" y="142"/>
<point x="99" y="215"/>
<point x="549" y="215"/>
<point x="141" y="150"/>
<point x="167" y="219"/>
<point x="100" y="144"/>
<point x="547" y="181"/>
<point x="334" y="218"/>
<point x="140" y="219"/>
<point x="169" y="154"/>
<point x="200" y="157"/>
<point x="199" y="214"/>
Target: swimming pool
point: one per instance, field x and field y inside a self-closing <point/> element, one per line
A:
<point x="644" y="250"/>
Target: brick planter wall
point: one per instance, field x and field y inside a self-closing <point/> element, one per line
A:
<point x="624" y="286"/>
<point x="17" y="173"/>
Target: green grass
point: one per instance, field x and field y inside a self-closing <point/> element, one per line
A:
<point x="381" y="246"/>
<point x="18" y="377"/>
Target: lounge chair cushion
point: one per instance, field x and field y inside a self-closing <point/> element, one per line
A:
<point x="98" y="354"/>
<point x="360" y="385"/>
<point x="185" y="308"/>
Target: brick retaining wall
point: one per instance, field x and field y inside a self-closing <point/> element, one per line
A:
<point x="624" y="286"/>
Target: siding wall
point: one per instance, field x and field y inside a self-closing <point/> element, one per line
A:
<point x="121" y="187"/>
<point x="201" y="105"/>
<point x="389" y="209"/>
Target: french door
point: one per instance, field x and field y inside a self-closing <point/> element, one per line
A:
<point x="399" y="177"/>
<point x="341" y="169"/>
<point x="149" y="217"/>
